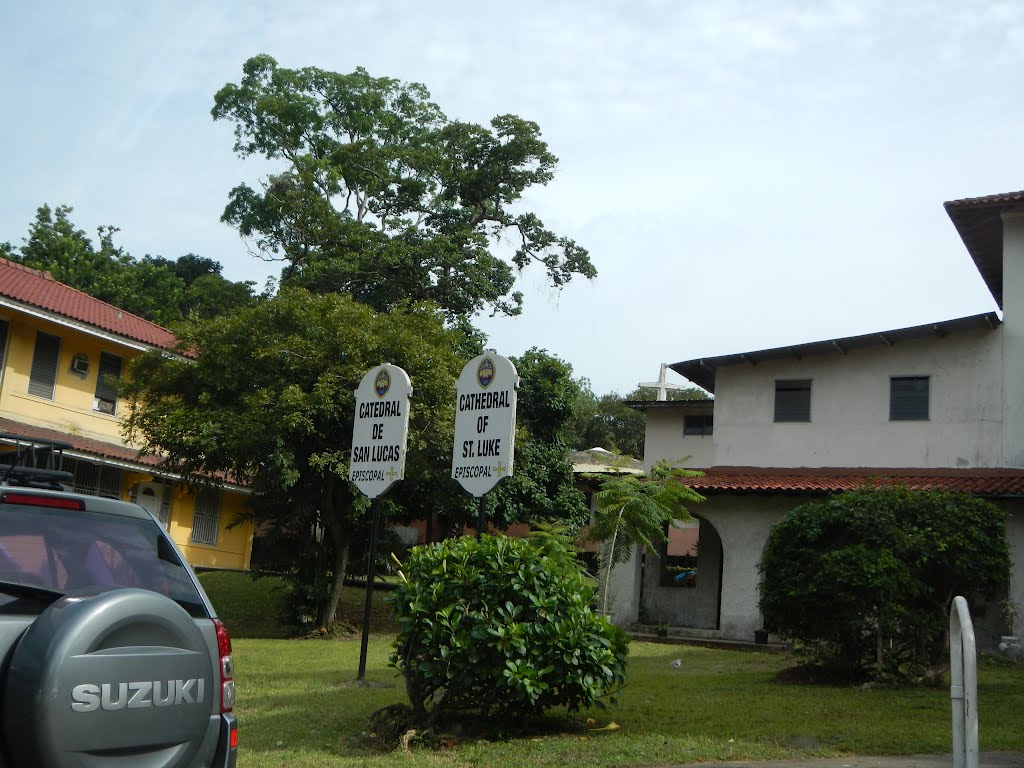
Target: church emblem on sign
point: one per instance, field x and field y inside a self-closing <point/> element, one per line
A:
<point x="485" y="372"/>
<point x="382" y="383"/>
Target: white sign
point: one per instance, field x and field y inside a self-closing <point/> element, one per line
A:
<point x="380" y="429"/>
<point x="485" y="422"/>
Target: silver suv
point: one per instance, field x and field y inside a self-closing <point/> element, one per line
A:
<point x="110" y="652"/>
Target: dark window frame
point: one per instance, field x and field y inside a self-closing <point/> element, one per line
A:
<point x="794" y="405"/>
<point x="5" y="334"/>
<point x="105" y="398"/>
<point x="42" y="377"/>
<point x="698" y="424"/>
<point x="909" y="398"/>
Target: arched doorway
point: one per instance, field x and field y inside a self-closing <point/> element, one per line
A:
<point x="682" y="583"/>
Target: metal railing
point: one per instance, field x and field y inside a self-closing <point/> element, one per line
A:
<point x="963" y="690"/>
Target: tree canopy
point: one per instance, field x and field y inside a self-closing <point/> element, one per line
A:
<point x="265" y="395"/>
<point x="543" y="486"/>
<point x="158" y="289"/>
<point x="384" y="197"/>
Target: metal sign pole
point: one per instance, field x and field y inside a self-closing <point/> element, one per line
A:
<point x="379" y="434"/>
<point x="371" y="574"/>
<point x="481" y="521"/>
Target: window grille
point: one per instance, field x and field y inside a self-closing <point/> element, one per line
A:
<point x="206" y="521"/>
<point x="94" y="479"/>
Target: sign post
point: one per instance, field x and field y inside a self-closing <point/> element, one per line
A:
<point x="485" y="426"/>
<point x="379" y="434"/>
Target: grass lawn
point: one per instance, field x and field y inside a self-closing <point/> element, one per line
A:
<point x="298" y="706"/>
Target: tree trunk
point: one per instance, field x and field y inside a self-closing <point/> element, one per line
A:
<point x="610" y="564"/>
<point x="341" y="541"/>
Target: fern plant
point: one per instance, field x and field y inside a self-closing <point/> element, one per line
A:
<point x="632" y="510"/>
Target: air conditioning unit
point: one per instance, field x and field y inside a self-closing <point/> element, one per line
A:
<point x="80" y="365"/>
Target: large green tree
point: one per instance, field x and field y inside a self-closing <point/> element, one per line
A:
<point x="265" y="395"/>
<point x="157" y="289"/>
<point x="380" y="195"/>
<point x="543" y="486"/>
<point x="207" y="293"/>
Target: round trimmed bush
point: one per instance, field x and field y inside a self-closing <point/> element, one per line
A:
<point x="865" y="579"/>
<point x="497" y="626"/>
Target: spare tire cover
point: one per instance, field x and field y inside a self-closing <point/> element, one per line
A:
<point x="109" y="677"/>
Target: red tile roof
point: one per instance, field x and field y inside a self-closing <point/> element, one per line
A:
<point x="98" y="448"/>
<point x="87" y="445"/>
<point x="987" y="482"/>
<point x="39" y="289"/>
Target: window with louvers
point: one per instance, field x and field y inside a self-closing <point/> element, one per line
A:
<point x="908" y="398"/>
<point x="793" y="400"/>
<point x="698" y="424"/>
<point x="43" y="375"/>
<point x="106" y="384"/>
<point x="206" y="521"/>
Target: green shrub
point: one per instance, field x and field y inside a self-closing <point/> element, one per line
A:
<point x="866" y="579"/>
<point x="496" y="626"/>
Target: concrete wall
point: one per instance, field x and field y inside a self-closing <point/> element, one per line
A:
<point x="743" y="523"/>
<point x="664" y="439"/>
<point x="1013" y="339"/>
<point x="234" y="544"/>
<point x="695" y="607"/>
<point x="850" y="425"/>
<point x="71" y="408"/>
<point x="726" y="596"/>
<point x="1015" y="539"/>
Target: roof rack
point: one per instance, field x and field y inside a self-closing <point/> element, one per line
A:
<point x="33" y="452"/>
<point x="34" y="463"/>
<point x="36" y="477"/>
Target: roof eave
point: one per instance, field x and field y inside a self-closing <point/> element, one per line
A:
<point x="979" y="223"/>
<point x="78" y="325"/>
<point x="701" y="371"/>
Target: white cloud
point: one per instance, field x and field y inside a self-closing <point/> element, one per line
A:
<point x="745" y="174"/>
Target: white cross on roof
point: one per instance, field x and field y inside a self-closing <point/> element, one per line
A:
<point x="663" y="385"/>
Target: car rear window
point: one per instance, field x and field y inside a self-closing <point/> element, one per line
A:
<point x="62" y="550"/>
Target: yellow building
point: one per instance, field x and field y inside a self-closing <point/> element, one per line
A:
<point x="60" y="351"/>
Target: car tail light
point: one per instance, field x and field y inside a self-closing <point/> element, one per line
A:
<point x="227" y="669"/>
<point x="31" y="499"/>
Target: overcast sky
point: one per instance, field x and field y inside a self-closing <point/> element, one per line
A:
<point x="745" y="174"/>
